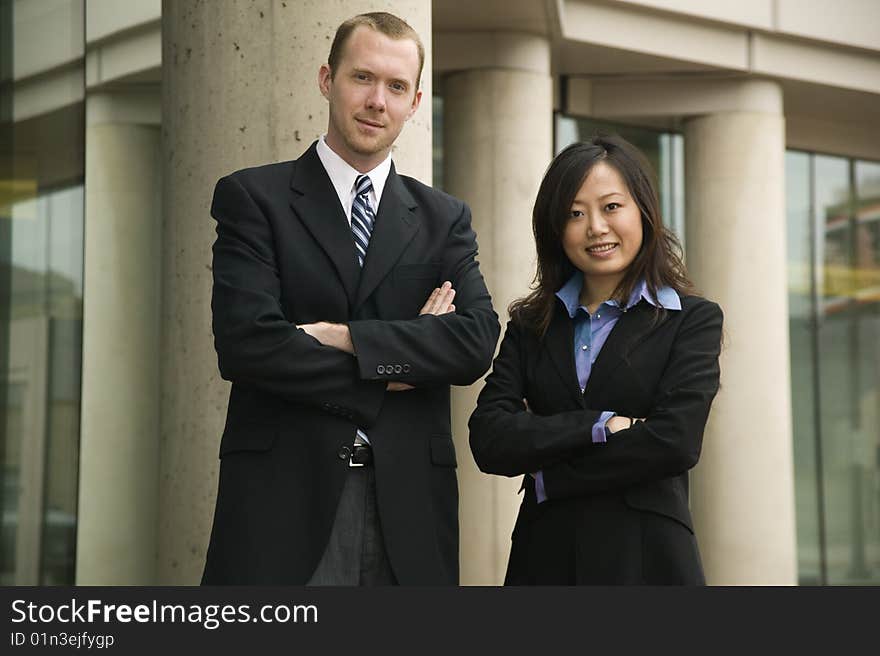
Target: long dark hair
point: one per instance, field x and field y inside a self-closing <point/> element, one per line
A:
<point x="659" y="260"/>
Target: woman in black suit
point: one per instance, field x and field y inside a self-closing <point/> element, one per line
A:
<point x="603" y="383"/>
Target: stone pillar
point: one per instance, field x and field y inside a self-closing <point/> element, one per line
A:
<point x="116" y="537"/>
<point x="743" y="488"/>
<point x="240" y="89"/>
<point x="498" y="140"/>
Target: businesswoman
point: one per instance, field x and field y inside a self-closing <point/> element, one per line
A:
<point x="601" y="389"/>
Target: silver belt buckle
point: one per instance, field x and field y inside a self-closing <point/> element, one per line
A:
<point x="351" y="462"/>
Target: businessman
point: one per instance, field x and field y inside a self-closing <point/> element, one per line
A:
<point x="346" y="300"/>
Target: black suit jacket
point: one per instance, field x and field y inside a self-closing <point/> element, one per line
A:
<point x="617" y="512"/>
<point x="285" y="255"/>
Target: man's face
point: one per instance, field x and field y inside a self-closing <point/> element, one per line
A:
<point x="372" y="94"/>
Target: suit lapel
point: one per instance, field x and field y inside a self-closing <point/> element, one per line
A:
<point x="632" y="327"/>
<point x="396" y="225"/>
<point x="316" y="204"/>
<point x="559" y="342"/>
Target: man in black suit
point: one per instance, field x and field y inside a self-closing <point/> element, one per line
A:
<point x="333" y="317"/>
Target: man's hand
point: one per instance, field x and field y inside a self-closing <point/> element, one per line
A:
<point x="335" y="335"/>
<point x="440" y="300"/>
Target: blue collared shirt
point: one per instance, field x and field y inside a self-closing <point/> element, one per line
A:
<point x="590" y="333"/>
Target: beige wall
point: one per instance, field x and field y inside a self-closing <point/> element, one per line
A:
<point x="106" y="18"/>
<point x="835" y="44"/>
<point x="850" y="23"/>
<point x="843" y="22"/>
<point x="48" y="35"/>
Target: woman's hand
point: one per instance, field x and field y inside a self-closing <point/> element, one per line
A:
<point x="618" y="423"/>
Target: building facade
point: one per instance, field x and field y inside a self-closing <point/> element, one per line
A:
<point x="117" y="118"/>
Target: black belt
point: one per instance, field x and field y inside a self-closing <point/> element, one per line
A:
<point x="361" y="455"/>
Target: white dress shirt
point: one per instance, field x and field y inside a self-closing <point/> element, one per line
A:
<point x="343" y="176"/>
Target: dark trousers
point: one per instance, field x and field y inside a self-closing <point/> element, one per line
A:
<point x="355" y="553"/>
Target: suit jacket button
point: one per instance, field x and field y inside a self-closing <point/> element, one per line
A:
<point x="397" y="368"/>
<point x="406" y="368"/>
<point x="344" y="453"/>
<point x="380" y="369"/>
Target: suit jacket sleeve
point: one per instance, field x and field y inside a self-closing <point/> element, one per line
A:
<point x="507" y="439"/>
<point x="669" y="441"/>
<point x="256" y="344"/>
<point x="452" y="349"/>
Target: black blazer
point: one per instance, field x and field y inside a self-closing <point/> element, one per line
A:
<point x="617" y="512"/>
<point x="285" y="255"/>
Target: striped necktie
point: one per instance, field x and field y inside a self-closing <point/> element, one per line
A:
<point x="362" y="216"/>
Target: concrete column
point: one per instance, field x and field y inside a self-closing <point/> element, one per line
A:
<point x="743" y="488"/>
<point x="240" y="89"/>
<point x="116" y="537"/>
<point x="498" y="140"/>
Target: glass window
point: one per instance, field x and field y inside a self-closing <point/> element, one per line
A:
<point x="803" y="375"/>
<point x="865" y="566"/>
<point x="41" y="287"/>
<point x="838" y="352"/>
<point x="834" y="304"/>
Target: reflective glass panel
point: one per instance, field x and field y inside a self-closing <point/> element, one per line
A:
<point x="41" y="263"/>
<point x="866" y="406"/>
<point x="803" y="373"/>
<point x="847" y="338"/>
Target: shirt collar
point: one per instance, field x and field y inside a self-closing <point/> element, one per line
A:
<point x="570" y="292"/>
<point x="342" y="174"/>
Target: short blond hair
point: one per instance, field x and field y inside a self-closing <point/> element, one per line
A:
<point x="384" y="23"/>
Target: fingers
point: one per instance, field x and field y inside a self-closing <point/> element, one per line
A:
<point x="617" y="423"/>
<point x="310" y="329"/>
<point x="394" y="386"/>
<point x="426" y="308"/>
<point x="440" y="300"/>
<point x="445" y="304"/>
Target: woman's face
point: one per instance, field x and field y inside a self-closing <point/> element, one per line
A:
<point x="604" y="230"/>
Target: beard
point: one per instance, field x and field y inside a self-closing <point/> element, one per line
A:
<point x="355" y="140"/>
